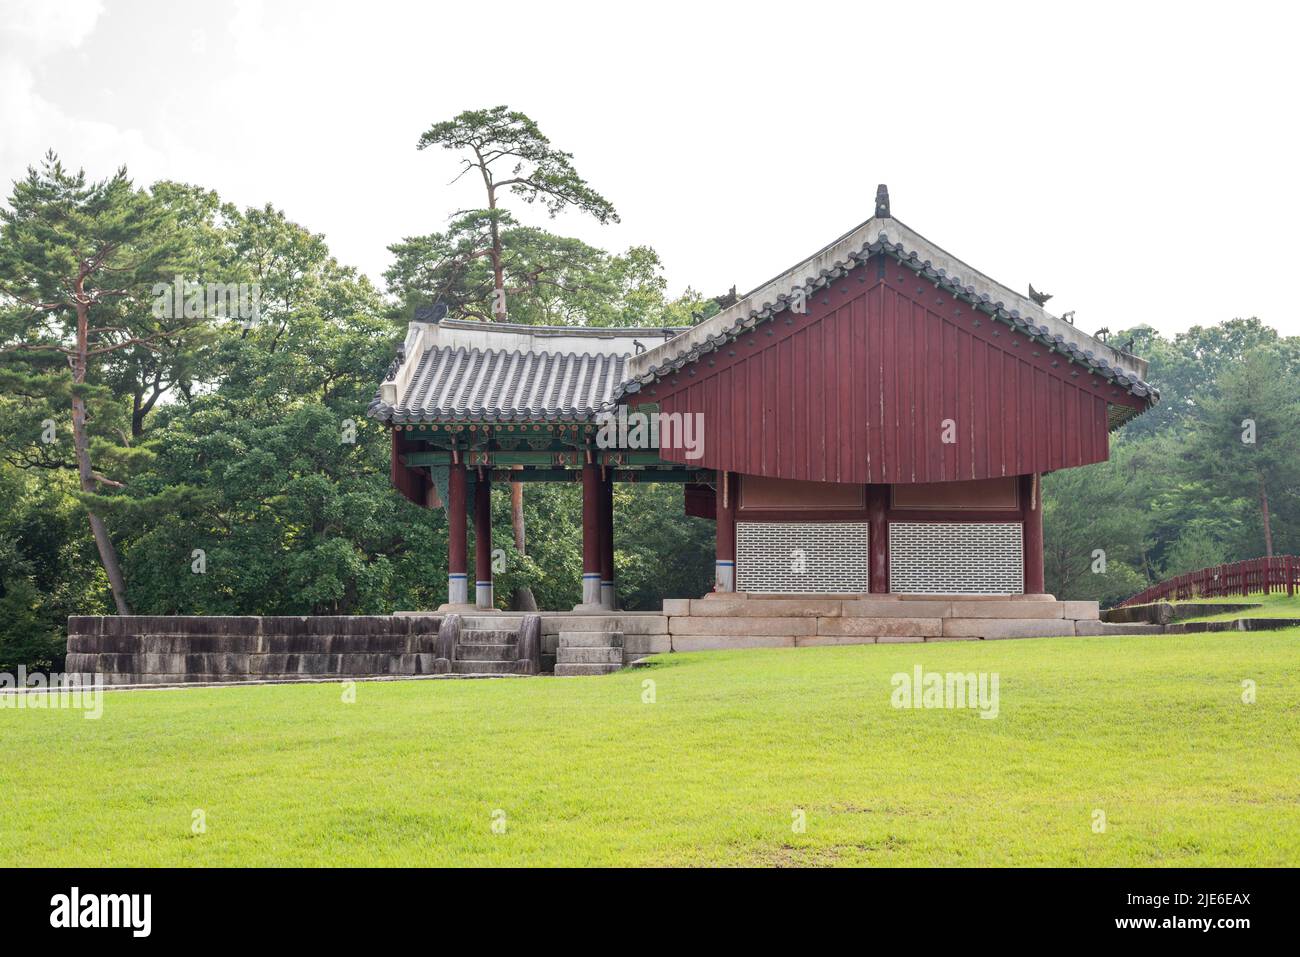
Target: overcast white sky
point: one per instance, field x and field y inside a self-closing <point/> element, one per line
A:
<point x="1138" y="160"/>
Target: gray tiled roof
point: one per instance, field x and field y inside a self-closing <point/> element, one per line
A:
<point x="460" y="370"/>
<point x="475" y="384"/>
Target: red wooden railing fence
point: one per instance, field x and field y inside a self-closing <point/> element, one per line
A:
<point x="1278" y="573"/>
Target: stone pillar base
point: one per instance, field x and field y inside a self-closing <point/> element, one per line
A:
<point x="483" y="595"/>
<point x="457" y="589"/>
<point x="607" y="596"/>
<point x="591" y="588"/>
<point x="725" y="575"/>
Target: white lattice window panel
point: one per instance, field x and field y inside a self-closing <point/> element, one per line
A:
<point x="778" y="558"/>
<point x="956" y="558"/>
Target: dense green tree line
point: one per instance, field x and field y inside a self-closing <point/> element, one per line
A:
<point x="229" y="457"/>
<point x="170" y="460"/>
<point x="1210" y="475"/>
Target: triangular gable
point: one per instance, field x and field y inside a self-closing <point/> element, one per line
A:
<point x="883" y="235"/>
<point x="896" y="370"/>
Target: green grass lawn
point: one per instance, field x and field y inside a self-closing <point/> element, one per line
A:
<point x="1152" y="731"/>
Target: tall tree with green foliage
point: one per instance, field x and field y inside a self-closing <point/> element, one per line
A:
<point x="78" y="262"/>
<point x="504" y="143"/>
<point x="280" y="483"/>
<point x="1094" y="535"/>
<point x="1245" y="439"/>
<point x="509" y="152"/>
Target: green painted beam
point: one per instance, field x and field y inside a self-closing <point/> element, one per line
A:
<point x="634" y="476"/>
<point x="427" y="458"/>
<point x="619" y="459"/>
<point x="629" y="457"/>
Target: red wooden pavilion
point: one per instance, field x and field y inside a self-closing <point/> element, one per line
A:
<point x="875" y="419"/>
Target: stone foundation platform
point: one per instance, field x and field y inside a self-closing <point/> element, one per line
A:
<point x="197" y="649"/>
<point x="748" y="621"/>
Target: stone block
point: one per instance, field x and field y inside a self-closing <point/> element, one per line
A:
<point x="817" y="641"/>
<point x="300" y="644"/>
<point x="590" y="656"/>
<point x="1081" y="610"/>
<point x="894" y="608"/>
<point x="741" y="626"/>
<point x="715" y="642"/>
<point x="899" y="640"/>
<point x="627" y="624"/>
<point x="875" y="627"/>
<point x="583" y="669"/>
<point x="425" y="643"/>
<point x="637" y="645"/>
<point x="765" y="608"/>
<point x="1008" y="609"/>
<point x="199" y="644"/>
<point x="588" y="639"/>
<point x="1009" y="627"/>
<point x="105" y="644"/>
<point x="171" y="664"/>
<point x="677" y="606"/>
<point x="85" y="625"/>
<point x="116" y="664"/>
<point x="81" y="663"/>
<point x="1086" y="627"/>
<point x="314" y="664"/>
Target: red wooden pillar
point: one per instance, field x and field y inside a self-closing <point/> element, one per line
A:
<point x="457" y="546"/>
<point x="607" y="598"/>
<point x="590" y="537"/>
<point x="725" y="562"/>
<point x="1031" y="504"/>
<point x="878" y="538"/>
<point x="483" y="596"/>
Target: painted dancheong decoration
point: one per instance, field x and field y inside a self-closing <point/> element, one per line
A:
<point x="875" y="419"/>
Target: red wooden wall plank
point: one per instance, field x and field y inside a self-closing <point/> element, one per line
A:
<point x="857" y="390"/>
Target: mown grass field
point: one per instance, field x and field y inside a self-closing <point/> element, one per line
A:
<point x="1151" y="731"/>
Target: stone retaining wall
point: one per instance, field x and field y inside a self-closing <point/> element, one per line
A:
<point x="171" y="649"/>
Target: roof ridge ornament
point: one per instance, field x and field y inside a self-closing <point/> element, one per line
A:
<point x="435" y="312"/>
<point x="882" y="202"/>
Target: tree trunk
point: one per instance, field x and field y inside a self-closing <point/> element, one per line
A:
<point x="81" y="444"/>
<point x="1268" y="522"/>
<point x="517" y="516"/>
<point x="498" y="271"/>
<point x="523" y="599"/>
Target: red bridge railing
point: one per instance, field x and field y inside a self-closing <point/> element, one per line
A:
<point x="1278" y="573"/>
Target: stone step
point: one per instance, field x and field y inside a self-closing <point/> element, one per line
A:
<point x="589" y="656"/>
<point x="1087" y="628"/>
<point x="480" y="652"/>
<point x="591" y="639"/>
<point x="483" y="667"/>
<point x="563" y="670"/>
<point x="482" y="636"/>
<point x="762" y="611"/>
